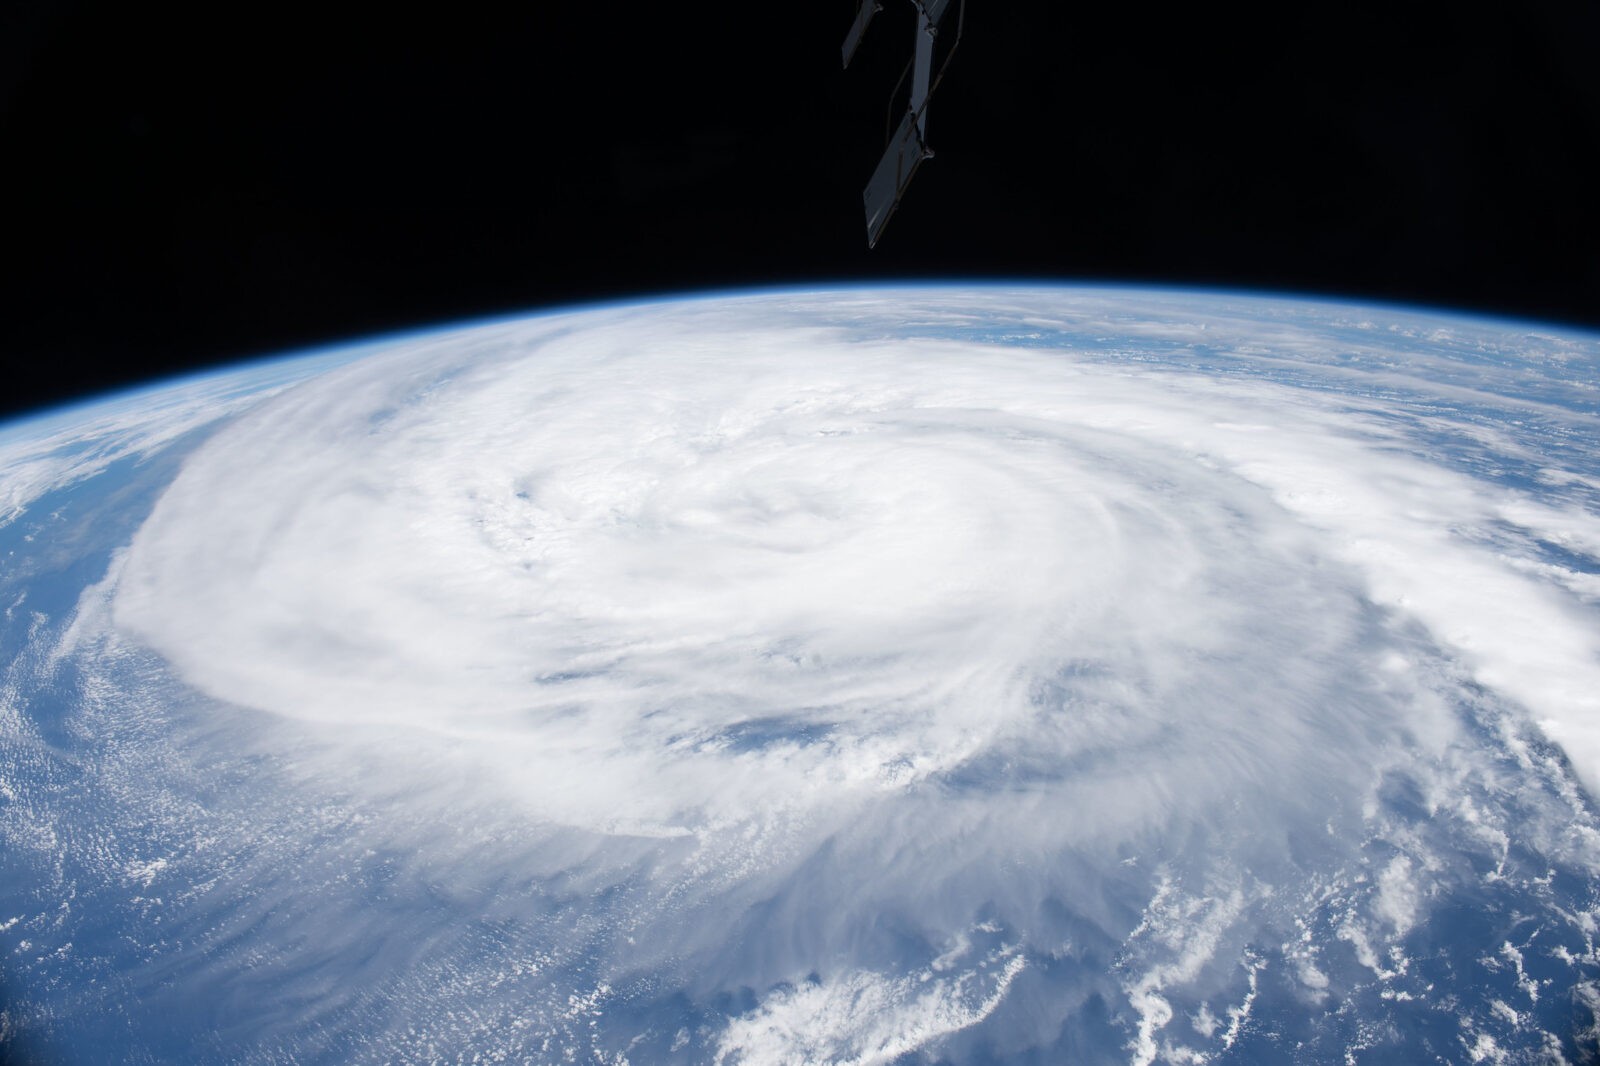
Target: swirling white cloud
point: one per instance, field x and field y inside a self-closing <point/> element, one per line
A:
<point x="923" y="604"/>
<point x="689" y="564"/>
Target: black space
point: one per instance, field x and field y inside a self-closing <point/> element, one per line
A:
<point x="189" y="185"/>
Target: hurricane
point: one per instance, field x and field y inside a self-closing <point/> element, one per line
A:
<point x="938" y="674"/>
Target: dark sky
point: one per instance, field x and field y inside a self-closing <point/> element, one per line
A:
<point x="188" y="185"/>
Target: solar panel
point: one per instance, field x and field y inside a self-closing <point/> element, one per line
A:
<point x="922" y="67"/>
<point x="858" y="29"/>
<point x="888" y="183"/>
<point x="907" y="147"/>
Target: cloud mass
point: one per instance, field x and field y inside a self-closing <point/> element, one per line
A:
<point x="838" y="677"/>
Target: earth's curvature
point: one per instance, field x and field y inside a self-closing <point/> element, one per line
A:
<point x="958" y="674"/>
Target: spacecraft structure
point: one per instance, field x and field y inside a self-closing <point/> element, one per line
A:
<point x="907" y="146"/>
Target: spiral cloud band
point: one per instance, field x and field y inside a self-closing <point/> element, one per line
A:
<point x="933" y="672"/>
<point x="677" y="568"/>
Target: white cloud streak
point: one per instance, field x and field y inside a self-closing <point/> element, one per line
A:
<point x="866" y="1019"/>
